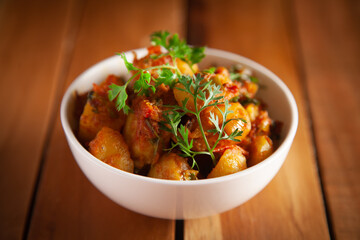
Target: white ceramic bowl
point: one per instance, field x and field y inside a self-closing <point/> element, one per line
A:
<point x="175" y="199"/>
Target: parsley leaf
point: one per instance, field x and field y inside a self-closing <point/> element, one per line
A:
<point x="210" y="94"/>
<point x="129" y="66"/>
<point x="166" y="76"/>
<point x="235" y="76"/>
<point x="197" y="54"/>
<point x="142" y="85"/>
<point x="204" y="94"/>
<point x="119" y="92"/>
<point x="159" y="38"/>
<point x="254" y="79"/>
<point x="178" y="48"/>
<point x="210" y="70"/>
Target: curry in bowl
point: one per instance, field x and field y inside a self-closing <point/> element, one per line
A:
<point x="173" y="120"/>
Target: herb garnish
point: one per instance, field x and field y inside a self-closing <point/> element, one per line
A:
<point x="207" y="92"/>
<point x="167" y="73"/>
<point x="178" y="48"/>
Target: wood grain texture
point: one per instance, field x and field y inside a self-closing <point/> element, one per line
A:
<point x="67" y="205"/>
<point x="312" y="45"/>
<point x="291" y="206"/>
<point x="31" y="51"/>
<point x="208" y="228"/>
<point x="329" y="37"/>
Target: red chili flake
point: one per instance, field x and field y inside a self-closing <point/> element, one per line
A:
<point x="232" y="88"/>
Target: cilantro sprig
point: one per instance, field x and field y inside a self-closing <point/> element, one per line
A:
<point x="220" y="126"/>
<point x="167" y="74"/>
<point x="200" y="91"/>
<point x="210" y="96"/>
<point x="178" y="48"/>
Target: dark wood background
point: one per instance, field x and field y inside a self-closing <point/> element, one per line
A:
<point x="312" y="45"/>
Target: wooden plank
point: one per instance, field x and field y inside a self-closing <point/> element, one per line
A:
<point x="329" y="36"/>
<point x="291" y="206"/>
<point x="67" y="205"/>
<point x="31" y="51"/>
<point x="207" y="228"/>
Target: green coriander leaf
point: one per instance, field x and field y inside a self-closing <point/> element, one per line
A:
<point x="142" y="85"/>
<point x="215" y="120"/>
<point x="119" y="93"/>
<point x="232" y="119"/>
<point x="235" y="134"/>
<point x="114" y="91"/>
<point x="126" y="109"/>
<point x="213" y="131"/>
<point x="202" y="95"/>
<point x="129" y="66"/>
<point x="210" y="70"/>
<point x="235" y="76"/>
<point x="164" y="126"/>
<point x="166" y="76"/>
<point x="254" y="79"/>
<point x="157" y="56"/>
<point x="159" y="38"/>
<point x="154" y="56"/>
<point x="178" y="48"/>
<point x="184" y="102"/>
<point x="174" y="42"/>
<point x="235" y="99"/>
<point x="249" y="100"/>
<point x="184" y="132"/>
<point x="197" y="54"/>
<point x="192" y="175"/>
<point x="172" y="118"/>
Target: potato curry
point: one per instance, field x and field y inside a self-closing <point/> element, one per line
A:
<point x="172" y="120"/>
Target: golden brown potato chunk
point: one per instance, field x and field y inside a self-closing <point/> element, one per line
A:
<point x="185" y="68"/>
<point x="260" y="148"/>
<point x="253" y="111"/>
<point x="110" y="147"/>
<point x="99" y="112"/>
<point x="142" y="133"/>
<point x="94" y="118"/>
<point x="231" y="161"/>
<point x="172" y="167"/>
<point x="241" y="122"/>
<point x="221" y="76"/>
<point x="241" y="118"/>
<point x="181" y="95"/>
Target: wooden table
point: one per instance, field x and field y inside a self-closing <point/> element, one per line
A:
<point x="312" y="45"/>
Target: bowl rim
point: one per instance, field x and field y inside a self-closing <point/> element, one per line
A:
<point x="72" y="140"/>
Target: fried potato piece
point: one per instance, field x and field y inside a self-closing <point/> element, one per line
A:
<point x="185" y="68"/>
<point x="253" y="111"/>
<point x="99" y="112"/>
<point x="260" y="148"/>
<point x="222" y="76"/>
<point x="142" y="133"/>
<point x="181" y="96"/>
<point x="241" y="122"/>
<point x="263" y="123"/>
<point x="241" y="118"/>
<point x="231" y="161"/>
<point x="172" y="167"/>
<point x="110" y="147"/>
